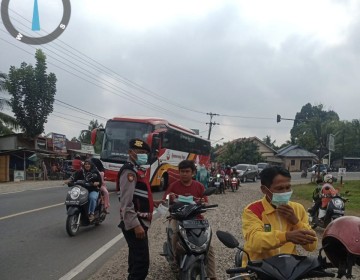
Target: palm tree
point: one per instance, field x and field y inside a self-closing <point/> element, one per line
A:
<point x="7" y="123"/>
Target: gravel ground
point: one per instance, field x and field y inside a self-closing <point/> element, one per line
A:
<point x="226" y="217"/>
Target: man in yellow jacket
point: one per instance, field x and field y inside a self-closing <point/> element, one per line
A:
<point x="274" y="225"/>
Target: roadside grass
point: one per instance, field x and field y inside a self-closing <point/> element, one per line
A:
<point x="303" y="194"/>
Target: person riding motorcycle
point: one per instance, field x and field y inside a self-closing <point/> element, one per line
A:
<point x="322" y="195"/>
<point x="341" y="244"/>
<point x="90" y="175"/>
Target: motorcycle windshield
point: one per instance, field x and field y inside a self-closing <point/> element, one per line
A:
<point x="285" y="267"/>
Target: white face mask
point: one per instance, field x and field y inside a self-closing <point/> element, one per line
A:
<point x="280" y="198"/>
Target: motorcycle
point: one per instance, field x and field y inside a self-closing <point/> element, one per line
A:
<point x="218" y="183"/>
<point x="334" y="210"/>
<point x="227" y="181"/>
<point x="194" y="237"/>
<point x="279" y="267"/>
<point x="235" y="183"/>
<point x="77" y="204"/>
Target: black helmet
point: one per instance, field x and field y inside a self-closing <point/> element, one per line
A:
<point x="341" y="243"/>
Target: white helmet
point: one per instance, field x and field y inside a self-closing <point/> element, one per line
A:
<point x="328" y="178"/>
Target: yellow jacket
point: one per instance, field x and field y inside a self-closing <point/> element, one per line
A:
<point x="264" y="230"/>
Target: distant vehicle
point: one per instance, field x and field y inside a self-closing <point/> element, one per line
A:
<point x="261" y="166"/>
<point x="323" y="168"/>
<point x="170" y="144"/>
<point x="247" y="172"/>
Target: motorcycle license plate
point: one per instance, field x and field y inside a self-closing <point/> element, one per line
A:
<point x="217" y="183"/>
<point x="195" y="223"/>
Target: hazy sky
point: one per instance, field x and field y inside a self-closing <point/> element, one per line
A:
<point x="244" y="60"/>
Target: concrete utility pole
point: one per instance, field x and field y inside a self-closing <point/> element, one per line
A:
<point x="211" y="123"/>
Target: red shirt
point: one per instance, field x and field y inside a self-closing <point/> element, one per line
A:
<point x="196" y="189"/>
<point x="76" y="164"/>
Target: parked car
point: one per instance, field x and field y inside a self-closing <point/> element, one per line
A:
<point x="323" y="168"/>
<point x="247" y="172"/>
<point x="261" y="166"/>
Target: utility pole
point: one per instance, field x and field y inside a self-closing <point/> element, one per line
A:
<point x="211" y="123"/>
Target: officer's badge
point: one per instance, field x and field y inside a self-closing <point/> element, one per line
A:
<point x="130" y="177"/>
<point x="138" y="143"/>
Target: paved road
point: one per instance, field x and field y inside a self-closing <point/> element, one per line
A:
<point x="34" y="243"/>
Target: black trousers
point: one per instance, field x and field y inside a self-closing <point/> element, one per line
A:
<point x="138" y="259"/>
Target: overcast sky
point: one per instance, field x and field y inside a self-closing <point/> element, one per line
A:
<point x="244" y="60"/>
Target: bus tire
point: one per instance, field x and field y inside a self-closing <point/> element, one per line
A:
<point x="163" y="183"/>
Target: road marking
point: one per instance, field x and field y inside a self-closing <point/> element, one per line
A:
<point x="24" y="190"/>
<point x="30" y="211"/>
<point x="78" y="269"/>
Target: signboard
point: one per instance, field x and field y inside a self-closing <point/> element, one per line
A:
<point x="87" y="149"/>
<point x="40" y="143"/>
<point x="59" y="143"/>
<point x="331" y="142"/>
<point x="342" y="171"/>
<point x="19" y="175"/>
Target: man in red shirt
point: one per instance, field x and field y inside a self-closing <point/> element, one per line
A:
<point x="76" y="164"/>
<point x="186" y="186"/>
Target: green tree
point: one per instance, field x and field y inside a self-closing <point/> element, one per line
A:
<point x="85" y="135"/>
<point x="32" y="93"/>
<point x="312" y="126"/>
<point x="267" y="140"/>
<point x="244" y="151"/>
<point x="7" y="123"/>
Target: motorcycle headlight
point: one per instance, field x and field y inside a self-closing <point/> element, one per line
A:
<point x="218" y="175"/>
<point x="193" y="247"/>
<point x="74" y="193"/>
<point x="338" y="203"/>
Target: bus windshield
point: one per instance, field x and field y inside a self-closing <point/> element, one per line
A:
<point x="117" y="137"/>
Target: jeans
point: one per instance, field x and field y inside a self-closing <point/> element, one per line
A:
<point x="93" y="196"/>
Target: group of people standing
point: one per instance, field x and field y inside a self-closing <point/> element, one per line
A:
<point x="270" y="226"/>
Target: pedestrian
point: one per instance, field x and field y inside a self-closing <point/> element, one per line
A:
<point x="45" y="175"/>
<point x="136" y="207"/>
<point x="203" y="176"/>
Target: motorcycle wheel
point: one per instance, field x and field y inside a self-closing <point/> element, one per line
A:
<point x="71" y="225"/>
<point x="193" y="273"/>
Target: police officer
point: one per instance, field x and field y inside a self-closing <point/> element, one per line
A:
<point x="136" y="207"/>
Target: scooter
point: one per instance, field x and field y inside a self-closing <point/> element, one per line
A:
<point x="279" y="267"/>
<point x="235" y="183"/>
<point x="194" y="237"/>
<point x="77" y="204"/>
<point x="335" y="209"/>
<point x="219" y="184"/>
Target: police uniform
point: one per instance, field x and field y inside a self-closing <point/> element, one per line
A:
<point x="136" y="207"/>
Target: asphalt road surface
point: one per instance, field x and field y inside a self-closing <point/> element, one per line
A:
<point x="34" y="242"/>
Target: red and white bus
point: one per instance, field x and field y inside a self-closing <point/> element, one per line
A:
<point x="169" y="144"/>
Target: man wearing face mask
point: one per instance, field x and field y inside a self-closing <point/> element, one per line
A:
<point x="136" y="207"/>
<point x="275" y="225"/>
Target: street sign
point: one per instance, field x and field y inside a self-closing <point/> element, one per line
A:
<point x="331" y="142"/>
<point x="342" y="172"/>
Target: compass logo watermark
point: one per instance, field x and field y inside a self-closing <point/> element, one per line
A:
<point x="35" y="24"/>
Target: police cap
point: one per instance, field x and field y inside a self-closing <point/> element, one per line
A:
<point x="139" y="144"/>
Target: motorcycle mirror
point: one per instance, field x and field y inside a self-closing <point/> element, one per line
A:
<point x="209" y="191"/>
<point x="227" y="239"/>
